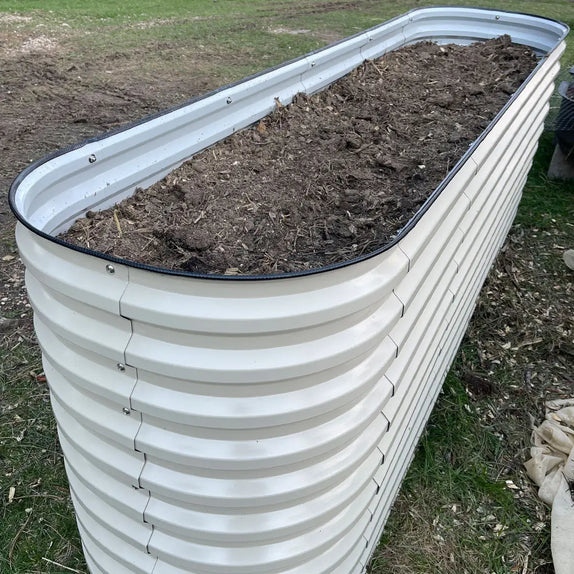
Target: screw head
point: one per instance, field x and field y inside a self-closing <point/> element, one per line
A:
<point x="92" y="158"/>
<point x="110" y="269"/>
<point x="121" y="367"/>
<point x="313" y="64"/>
<point x="126" y="411"/>
<point x="497" y="17"/>
<point x="229" y="100"/>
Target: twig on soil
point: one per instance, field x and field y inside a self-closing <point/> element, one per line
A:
<point x="528" y="343"/>
<point x="15" y="539"/>
<point x="363" y="148"/>
<point x="378" y="70"/>
<point x="117" y="220"/>
<point x="52" y="496"/>
<point x="67" y="568"/>
<point x="510" y="274"/>
<point x="526" y="560"/>
<point x="151" y="240"/>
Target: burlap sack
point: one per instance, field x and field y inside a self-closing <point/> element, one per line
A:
<point x="552" y="469"/>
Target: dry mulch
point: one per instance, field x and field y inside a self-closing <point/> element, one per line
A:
<point x="326" y="179"/>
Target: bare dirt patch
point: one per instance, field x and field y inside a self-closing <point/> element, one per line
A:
<point x="36" y="45"/>
<point x="322" y="181"/>
<point x="289" y="31"/>
<point x="154" y="23"/>
<point x="306" y="7"/>
<point x="7" y="18"/>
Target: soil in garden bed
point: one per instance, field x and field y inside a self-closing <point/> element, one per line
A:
<point x="323" y="180"/>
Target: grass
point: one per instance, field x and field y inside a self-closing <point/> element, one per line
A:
<point x="546" y="203"/>
<point x="456" y="512"/>
<point x="470" y="516"/>
<point x="38" y="523"/>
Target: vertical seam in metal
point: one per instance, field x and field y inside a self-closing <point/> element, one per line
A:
<point x="388" y="427"/>
<point x="453" y="295"/>
<point x="402" y="313"/>
<point x="300" y="80"/>
<point x="477" y="167"/>
<point x="408" y="258"/>
<point x="369" y="40"/>
<point x="396" y="346"/>
<point x="363" y="536"/>
<point x="392" y="394"/>
<point x="136" y="375"/>
<point x="152" y="527"/>
<point x="401" y="301"/>
<point x="404" y="40"/>
<point x="464" y="190"/>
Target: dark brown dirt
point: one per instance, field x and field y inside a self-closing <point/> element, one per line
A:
<point x="324" y="180"/>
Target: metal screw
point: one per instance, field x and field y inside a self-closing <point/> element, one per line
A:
<point x="126" y="411"/>
<point x="312" y="64"/>
<point x="229" y="100"/>
<point x="92" y="158"/>
<point x="497" y="17"/>
<point x="110" y="269"/>
<point x="121" y="367"/>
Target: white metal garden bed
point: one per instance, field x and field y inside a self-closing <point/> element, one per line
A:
<point x="236" y="425"/>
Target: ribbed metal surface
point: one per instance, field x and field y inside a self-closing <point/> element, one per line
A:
<point x="242" y="427"/>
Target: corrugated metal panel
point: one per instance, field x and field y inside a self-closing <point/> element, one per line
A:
<point x="109" y="552"/>
<point x="284" y="555"/>
<point x="244" y="427"/>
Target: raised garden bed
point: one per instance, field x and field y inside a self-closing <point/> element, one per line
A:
<point x="262" y="425"/>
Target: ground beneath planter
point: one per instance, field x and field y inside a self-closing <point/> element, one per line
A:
<point x="324" y="180"/>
